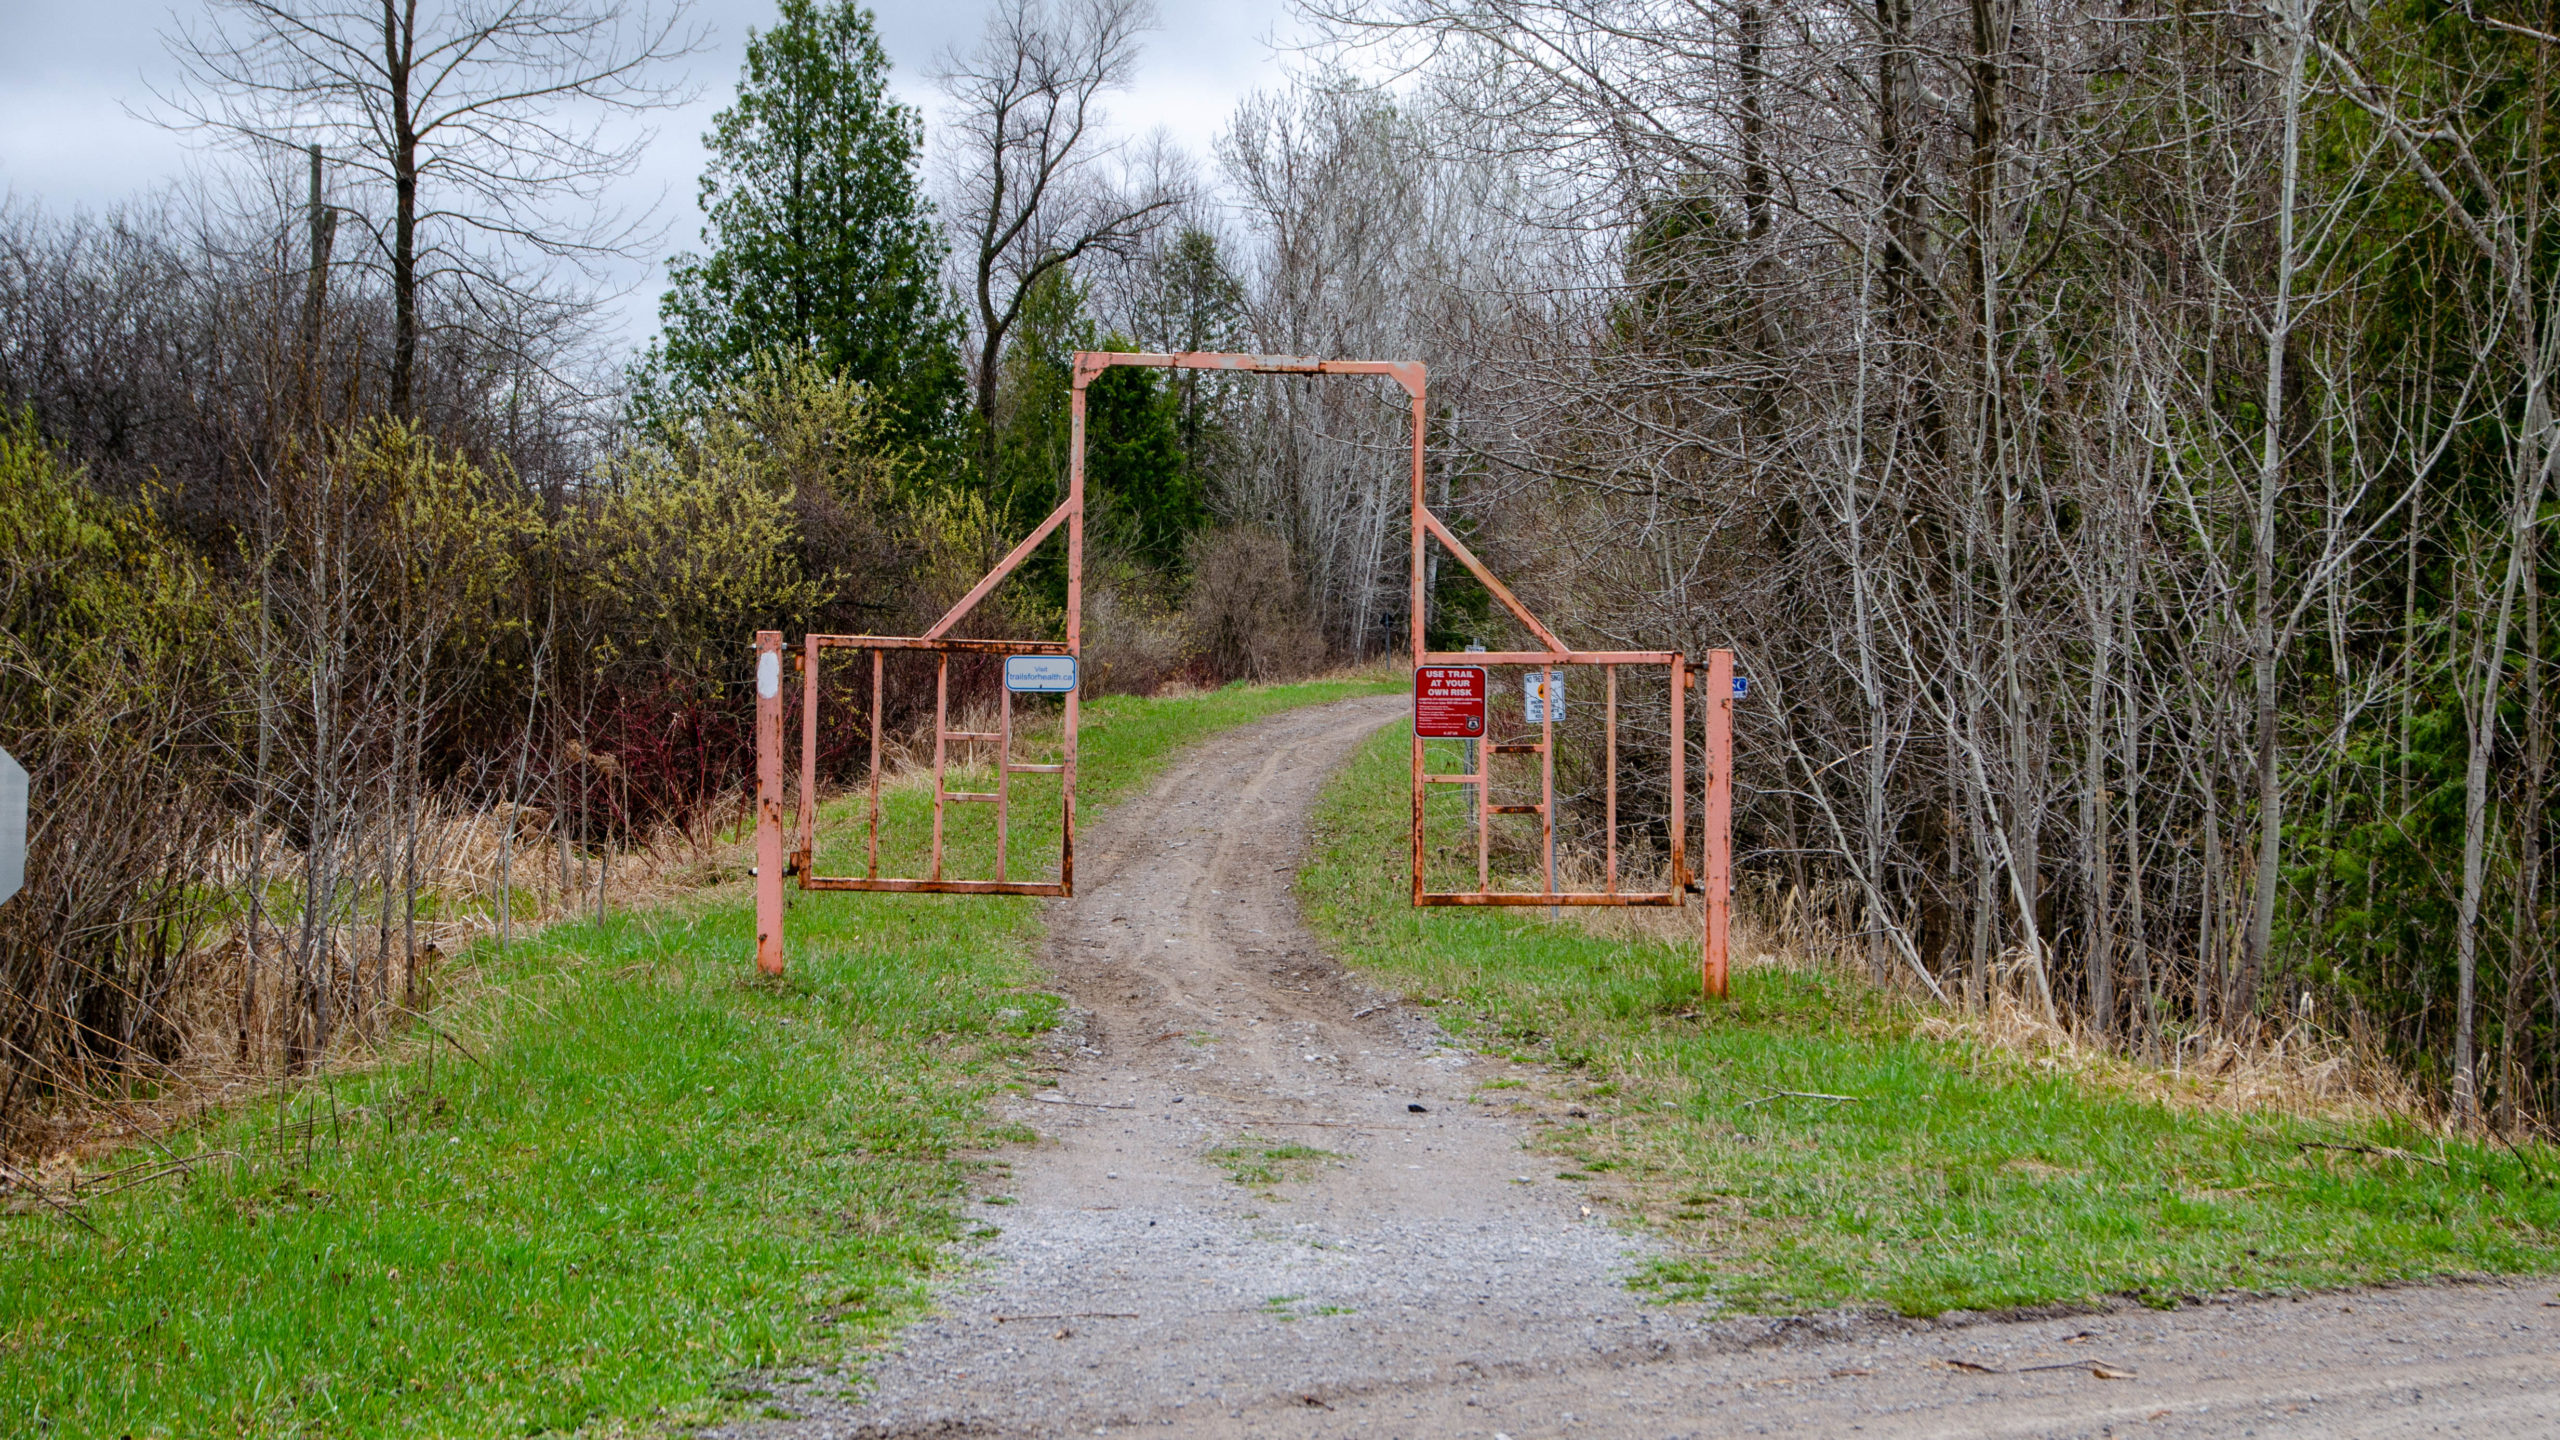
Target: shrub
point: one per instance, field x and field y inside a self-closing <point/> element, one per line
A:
<point x="111" y="696"/>
<point x="1132" y="643"/>
<point x="1248" y="609"/>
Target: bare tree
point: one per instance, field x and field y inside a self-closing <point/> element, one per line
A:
<point x="491" y="123"/>
<point x="1027" y="182"/>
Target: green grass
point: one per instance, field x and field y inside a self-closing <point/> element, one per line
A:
<point x="1958" y="1178"/>
<point x="650" y="1172"/>
<point x="1288" y="1308"/>
<point x="1259" y="1164"/>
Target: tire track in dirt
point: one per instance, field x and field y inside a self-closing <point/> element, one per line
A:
<point x="1421" y="1276"/>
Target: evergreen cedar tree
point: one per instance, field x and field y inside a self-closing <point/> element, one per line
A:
<point x="820" y="242"/>
<point x="1143" y="490"/>
<point x="820" y="239"/>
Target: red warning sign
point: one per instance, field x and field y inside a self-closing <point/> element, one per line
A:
<point x="1448" y="702"/>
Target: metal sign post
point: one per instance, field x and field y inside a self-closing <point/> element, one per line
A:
<point x="1475" y="753"/>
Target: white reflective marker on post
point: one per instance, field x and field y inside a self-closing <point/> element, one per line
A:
<point x="13" y="825"/>
<point x="1040" y="674"/>
<point x="768" y="674"/>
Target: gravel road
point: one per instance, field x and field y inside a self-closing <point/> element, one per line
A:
<point x="1423" y="1276"/>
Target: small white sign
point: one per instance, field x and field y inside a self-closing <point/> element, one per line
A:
<point x="1536" y="689"/>
<point x="1040" y="674"/>
<point x="13" y="825"/>
<point x="768" y="674"/>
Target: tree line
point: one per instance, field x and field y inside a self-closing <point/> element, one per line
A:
<point x="2114" y="438"/>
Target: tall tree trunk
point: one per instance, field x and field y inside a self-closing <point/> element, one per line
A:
<point x="2408" y="685"/>
<point x="1893" y="138"/>
<point x="2097" y="859"/>
<point x="1986" y="899"/>
<point x="2141" y="1024"/>
<point x="398" y="49"/>
<point x="2295" y="22"/>
<point x="262" y="803"/>
<point x="2488" y="683"/>
<point x="322" y="222"/>
<point x="991" y="324"/>
<point x="1750" y="35"/>
<point x="2533" y="813"/>
<point x="2209" y="891"/>
<point x="1870" y="684"/>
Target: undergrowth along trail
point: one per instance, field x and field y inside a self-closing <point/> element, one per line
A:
<point x="613" y="1172"/>
<point x="1951" y="1176"/>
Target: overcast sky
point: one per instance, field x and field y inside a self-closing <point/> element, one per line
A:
<point x="71" y="69"/>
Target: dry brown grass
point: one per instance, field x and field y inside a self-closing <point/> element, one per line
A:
<point x="2298" y="1068"/>
<point x="1757" y="936"/>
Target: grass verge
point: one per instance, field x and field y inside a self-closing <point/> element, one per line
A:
<point x="1950" y="1177"/>
<point x="580" y="1200"/>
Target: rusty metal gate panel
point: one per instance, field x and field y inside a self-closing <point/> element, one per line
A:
<point x="1482" y="778"/>
<point x="934" y="881"/>
<point x="1557" y="655"/>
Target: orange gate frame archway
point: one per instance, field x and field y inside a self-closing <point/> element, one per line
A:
<point x="773" y="866"/>
<point x="1716" y="884"/>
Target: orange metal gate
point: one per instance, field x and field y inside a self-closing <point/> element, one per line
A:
<point x="773" y="866"/>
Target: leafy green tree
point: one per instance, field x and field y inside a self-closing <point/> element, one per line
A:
<point x="820" y="239"/>
<point x="1030" y="430"/>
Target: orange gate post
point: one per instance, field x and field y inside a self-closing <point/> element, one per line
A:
<point x="1713" y="959"/>
<point x="769" y="801"/>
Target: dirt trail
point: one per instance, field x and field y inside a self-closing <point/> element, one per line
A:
<point x="1425" y="1277"/>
